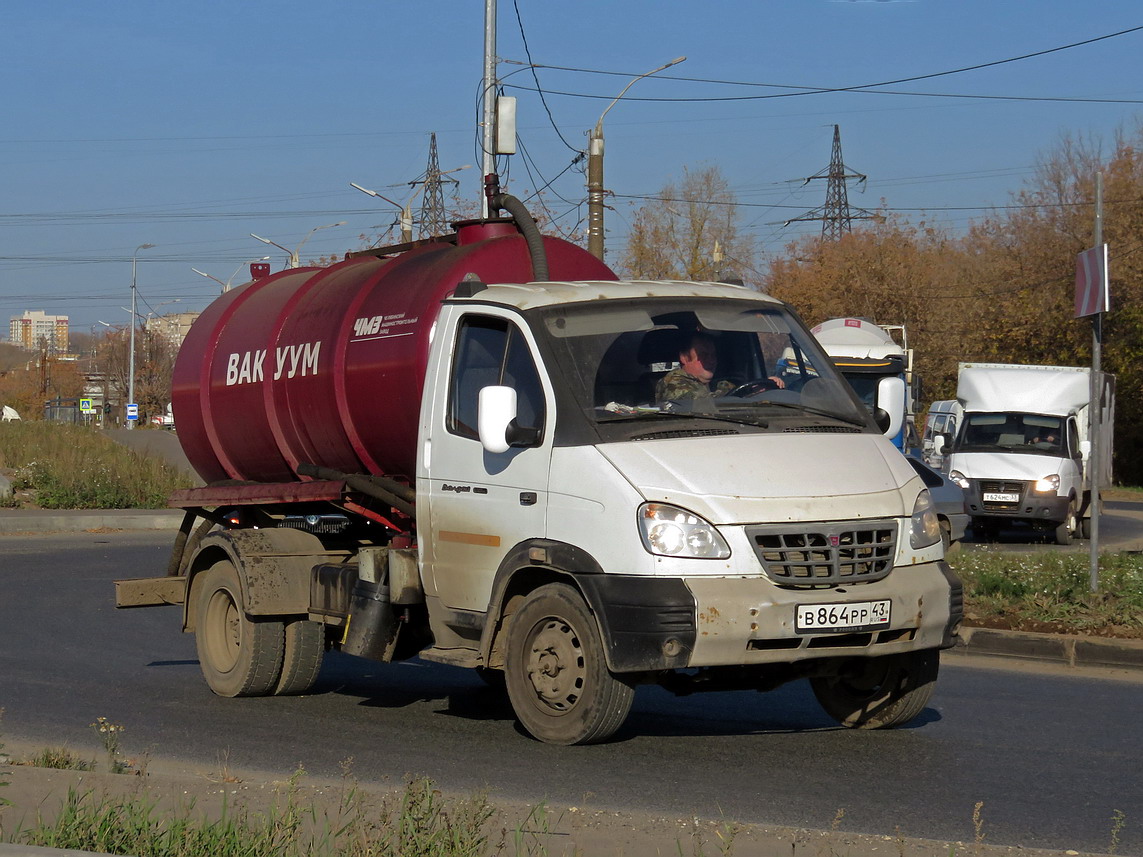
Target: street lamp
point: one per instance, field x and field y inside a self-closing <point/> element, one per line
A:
<point x="134" y="315"/>
<point x="407" y="209"/>
<point x="295" y="261"/>
<point x="595" y="169"/>
<point x="226" y="285"/>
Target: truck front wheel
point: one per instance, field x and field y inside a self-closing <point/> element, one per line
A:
<point x="876" y="693"/>
<point x="239" y="655"/>
<point x="1066" y="531"/>
<point x="557" y="677"/>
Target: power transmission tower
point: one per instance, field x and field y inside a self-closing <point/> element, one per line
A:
<point x="836" y="215"/>
<point x="433" y="218"/>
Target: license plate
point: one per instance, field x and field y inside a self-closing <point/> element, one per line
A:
<point x="997" y="497"/>
<point x="848" y="616"/>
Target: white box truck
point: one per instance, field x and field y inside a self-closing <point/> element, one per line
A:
<point x="1022" y="451"/>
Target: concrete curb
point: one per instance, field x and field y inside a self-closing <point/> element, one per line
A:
<point x="77" y="521"/>
<point x="1071" y="650"/>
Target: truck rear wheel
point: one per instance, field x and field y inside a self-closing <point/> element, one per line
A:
<point x="239" y="655"/>
<point x="877" y="693"/>
<point x="302" y="657"/>
<point x="557" y="677"/>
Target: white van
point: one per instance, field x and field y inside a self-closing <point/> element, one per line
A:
<point x="944" y="417"/>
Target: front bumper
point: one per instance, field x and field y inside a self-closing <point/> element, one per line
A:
<point x="652" y="624"/>
<point x="1028" y="505"/>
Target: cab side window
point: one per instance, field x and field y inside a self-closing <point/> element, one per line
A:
<point x="491" y="351"/>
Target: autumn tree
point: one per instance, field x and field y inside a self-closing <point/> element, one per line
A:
<point x="1004" y="291"/>
<point x="675" y="235"/>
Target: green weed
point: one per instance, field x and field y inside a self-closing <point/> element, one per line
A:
<point x="74" y="467"/>
<point x="109" y="733"/>
<point x="1054" y="588"/>
<point x="420" y="824"/>
<point x="60" y="758"/>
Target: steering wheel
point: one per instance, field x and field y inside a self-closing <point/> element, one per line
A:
<point x="753" y="388"/>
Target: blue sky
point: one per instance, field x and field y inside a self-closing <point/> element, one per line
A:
<point x="190" y="125"/>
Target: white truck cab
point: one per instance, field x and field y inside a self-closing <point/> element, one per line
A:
<point x="751" y="532"/>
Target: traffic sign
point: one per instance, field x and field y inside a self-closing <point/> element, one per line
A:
<point x="132" y="412"/>
<point x="86" y="407"/>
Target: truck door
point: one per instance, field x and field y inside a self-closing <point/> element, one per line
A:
<point x="482" y="504"/>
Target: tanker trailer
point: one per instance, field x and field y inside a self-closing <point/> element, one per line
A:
<point x="484" y="450"/>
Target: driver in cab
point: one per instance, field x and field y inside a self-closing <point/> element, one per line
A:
<point x="691" y="380"/>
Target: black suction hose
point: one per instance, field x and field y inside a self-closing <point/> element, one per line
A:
<point x="529" y="230"/>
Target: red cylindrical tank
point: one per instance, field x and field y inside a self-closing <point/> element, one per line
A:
<point x="326" y="365"/>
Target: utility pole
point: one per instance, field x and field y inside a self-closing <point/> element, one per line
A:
<point x="836" y="215"/>
<point x="595" y="190"/>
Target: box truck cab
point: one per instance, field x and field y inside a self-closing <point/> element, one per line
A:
<point x="405" y="457"/>
<point x="1022" y="450"/>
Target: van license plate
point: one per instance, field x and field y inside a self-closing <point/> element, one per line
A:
<point x="851" y="616"/>
<point x="997" y="497"/>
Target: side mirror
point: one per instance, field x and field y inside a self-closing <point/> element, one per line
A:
<point x="496" y="421"/>
<point x="891" y="400"/>
<point x="939" y="444"/>
<point x="1085" y="448"/>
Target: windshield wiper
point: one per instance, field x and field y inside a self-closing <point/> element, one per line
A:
<point x="691" y="415"/>
<point x="810" y="410"/>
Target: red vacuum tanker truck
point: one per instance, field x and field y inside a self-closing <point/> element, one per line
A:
<point x="487" y="451"/>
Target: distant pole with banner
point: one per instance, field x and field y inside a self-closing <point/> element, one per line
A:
<point x="1093" y="298"/>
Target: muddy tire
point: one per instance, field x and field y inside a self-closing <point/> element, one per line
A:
<point x="302" y="657"/>
<point x="878" y="693"/>
<point x="239" y="655"/>
<point x="1066" y="530"/>
<point x="556" y="674"/>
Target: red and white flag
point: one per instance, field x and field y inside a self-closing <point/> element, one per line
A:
<point x="1091" y="282"/>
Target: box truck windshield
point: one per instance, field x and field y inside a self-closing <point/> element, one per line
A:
<point x="634" y="362"/>
<point x="1013" y="432"/>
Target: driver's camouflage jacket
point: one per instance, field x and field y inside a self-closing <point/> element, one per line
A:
<point x="677" y="385"/>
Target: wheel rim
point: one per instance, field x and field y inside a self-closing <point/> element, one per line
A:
<point x="557" y="667"/>
<point x="224" y="631"/>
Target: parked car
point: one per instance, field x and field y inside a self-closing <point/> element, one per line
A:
<point x="947" y="496"/>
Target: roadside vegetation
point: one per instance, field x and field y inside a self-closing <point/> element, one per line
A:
<point x="1050" y="592"/>
<point x="54" y="466"/>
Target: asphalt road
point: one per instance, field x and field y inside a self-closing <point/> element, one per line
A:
<point x="1051" y="756"/>
<point x="1120" y="529"/>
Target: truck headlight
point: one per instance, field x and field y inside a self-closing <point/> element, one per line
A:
<point x="958" y="477"/>
<point x="1047" y="484"/>
<point x="670" y="531"/>
<point x="925" y="528"/>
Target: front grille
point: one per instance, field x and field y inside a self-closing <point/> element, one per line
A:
<point x="997" y="486"/>
<point x="317" y="524"/>
<point x="823" y="555"/>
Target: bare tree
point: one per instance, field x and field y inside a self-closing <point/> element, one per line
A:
<point x="690" y="232"/>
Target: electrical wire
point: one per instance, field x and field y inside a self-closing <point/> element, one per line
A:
<point x="536" y="77"/>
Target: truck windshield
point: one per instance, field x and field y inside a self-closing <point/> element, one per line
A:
<point x="1013" y="432"/>
<point x="736" y="361"/>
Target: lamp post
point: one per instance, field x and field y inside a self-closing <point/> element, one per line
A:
<point x="406" y="220"/>
<point x="134" y="316"/>
<point x="295" y="261"/>
<point x="595" y="169"/>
